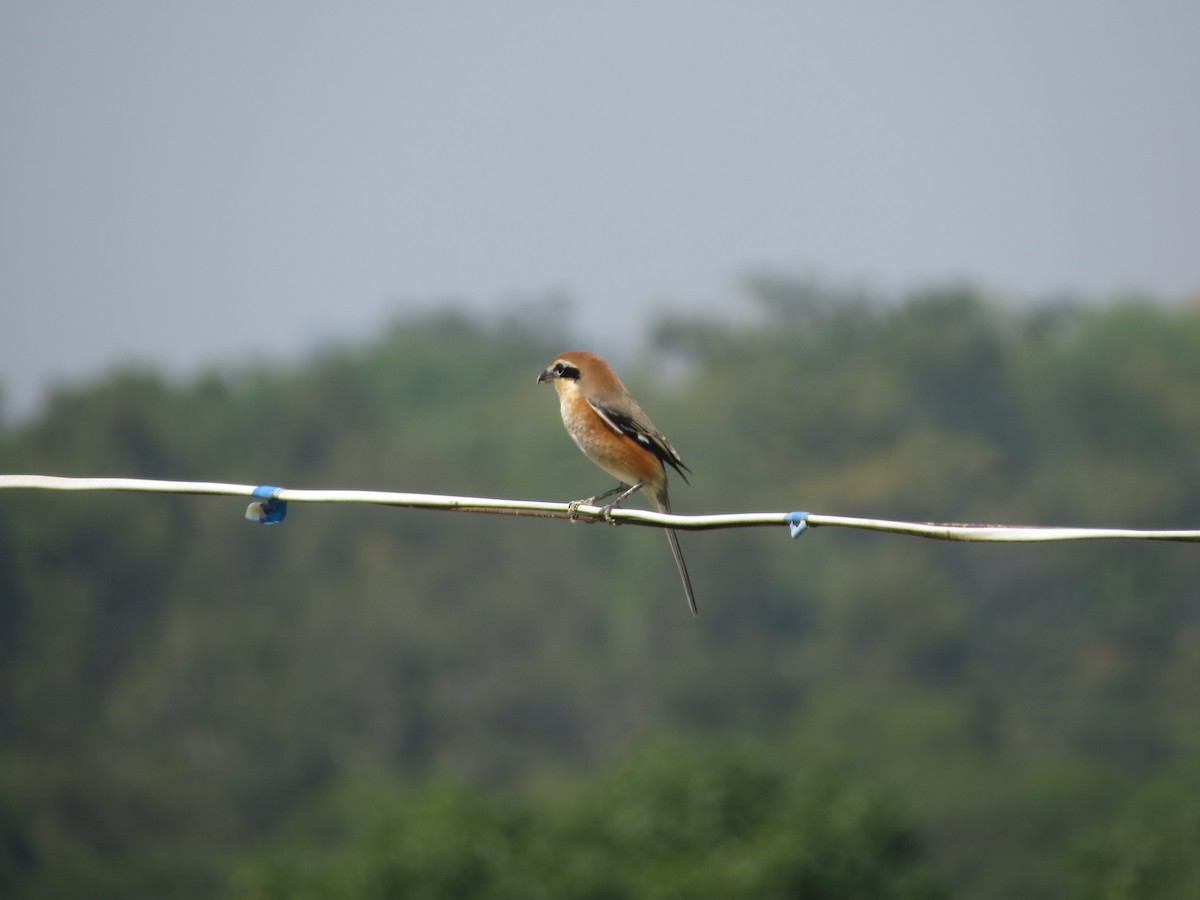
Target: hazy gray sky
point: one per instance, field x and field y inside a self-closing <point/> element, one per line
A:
<point x="188" y="182"/>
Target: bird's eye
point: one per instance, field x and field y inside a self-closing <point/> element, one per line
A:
<point x="559" y="368"/>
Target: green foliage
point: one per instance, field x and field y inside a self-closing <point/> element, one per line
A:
<point x="1152" y="849"/>
<point x="673" y="821"/>
<point x="179" y="689"/>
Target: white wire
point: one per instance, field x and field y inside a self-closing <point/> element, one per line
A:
<point x="933" y="530"/>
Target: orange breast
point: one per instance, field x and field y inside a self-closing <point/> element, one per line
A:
<point x="615" y="453"/>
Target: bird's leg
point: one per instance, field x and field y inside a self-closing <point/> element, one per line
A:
<point x="573" y="506"/>
<point x="607" y="510"/>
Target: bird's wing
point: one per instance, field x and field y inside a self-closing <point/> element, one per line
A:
<point x="638" y="428"/>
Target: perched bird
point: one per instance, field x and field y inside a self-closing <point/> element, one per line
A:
<point x="613" y="432"/>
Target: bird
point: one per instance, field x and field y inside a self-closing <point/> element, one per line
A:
<point x="611" y="429"/>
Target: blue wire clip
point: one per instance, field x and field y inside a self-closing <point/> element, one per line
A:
<point x="268" y="509"/>
<point x="798" y="523"/>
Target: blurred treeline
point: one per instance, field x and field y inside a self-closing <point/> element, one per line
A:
<point x="371" y="702"/>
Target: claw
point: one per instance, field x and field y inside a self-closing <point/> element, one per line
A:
<point x="573" y="508"/>
<point x="622" y="492"/>
<point x="606" y="512"/>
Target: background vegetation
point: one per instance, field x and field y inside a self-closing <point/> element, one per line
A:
<point x="386" y="703"/>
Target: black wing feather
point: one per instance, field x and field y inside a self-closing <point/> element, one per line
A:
<point x="652" y="440"/>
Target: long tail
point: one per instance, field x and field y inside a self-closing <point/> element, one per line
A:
<point x="663" y="504"/>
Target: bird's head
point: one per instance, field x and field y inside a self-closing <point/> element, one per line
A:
<point x="560" y="368"/>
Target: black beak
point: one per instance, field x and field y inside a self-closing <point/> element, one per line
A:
<point x="546" y="375"/>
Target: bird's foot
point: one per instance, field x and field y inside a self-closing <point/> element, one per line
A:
<point x="573" y="508"/>
<point x="606" y="511"/>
